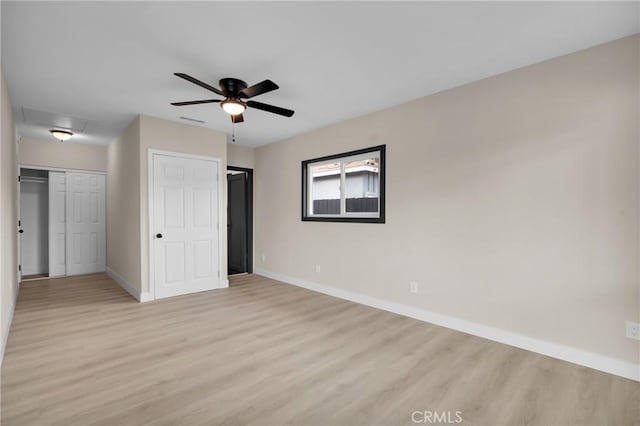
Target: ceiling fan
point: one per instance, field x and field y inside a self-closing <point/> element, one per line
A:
<point x="234" y="91"/>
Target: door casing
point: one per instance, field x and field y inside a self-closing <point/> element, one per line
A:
<point x="249" y="195"/>
<point x="33" y="221"/>
<point x="21" y="166"/>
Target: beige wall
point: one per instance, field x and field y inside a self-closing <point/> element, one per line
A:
<point x="165" y="135"/>
<point x="240" y="156"/>
<point x="512" y="201"/>
<point x="123" y="206"/>
<point x="63" y="155"/>
<point x="8" y="213"/>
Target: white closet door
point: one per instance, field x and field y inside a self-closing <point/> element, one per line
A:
<point x="185" y="225"/>
<point x="57" y="224"/>
<point x="86" y="229"/>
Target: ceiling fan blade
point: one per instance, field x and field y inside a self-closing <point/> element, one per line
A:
<point x="204" y="101"/>
<point x="270" y="108"/>
<point x="258" y="89"/>
<point x="237" y="118"/>
<point x="199" y="83"/>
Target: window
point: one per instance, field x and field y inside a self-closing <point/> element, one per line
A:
<point x="345" y="187"/>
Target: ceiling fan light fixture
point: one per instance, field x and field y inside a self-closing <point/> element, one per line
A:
<point x="61" y="135"/>
<point x="234" y="91"/>
<point x="233" y="106"/>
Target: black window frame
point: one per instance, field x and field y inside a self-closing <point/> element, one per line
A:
<point x="382" y="196"/>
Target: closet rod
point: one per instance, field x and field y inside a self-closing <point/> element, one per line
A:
<point x="34" y="179"/>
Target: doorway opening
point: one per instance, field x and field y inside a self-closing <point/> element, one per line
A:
<point x="239" y="220"/>
<point x="61" y="223"/>
<point x="33" y="224"/>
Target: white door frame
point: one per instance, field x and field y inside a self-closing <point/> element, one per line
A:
<point x="21" y="166"/>
<point x="18" y="226"/>
<point x="42" y="185"/>
<point x="150" y="191"/>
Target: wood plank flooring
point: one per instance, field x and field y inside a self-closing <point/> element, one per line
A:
<point x="82" y="352"/>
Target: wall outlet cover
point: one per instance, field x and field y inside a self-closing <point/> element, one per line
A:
<point x="632" y="330"/>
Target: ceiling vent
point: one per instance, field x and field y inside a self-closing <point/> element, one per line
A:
<point x="195" y="120"/>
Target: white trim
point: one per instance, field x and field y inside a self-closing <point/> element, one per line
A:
<point x="125" y="285"/>
<point x="343" y="188"/>
<point x="352" y="170"/>
<point x="145" y="296"/>
<point x="15" y="273"/>
<point x="604" y="363"/>
<point x="7" y="327"/>
<point x="21" y="166"/>
<point x="221" y="209"/>
<point x="18" y="254"/>
<point x="152" y="151"/>
<point x="150" y="253"/>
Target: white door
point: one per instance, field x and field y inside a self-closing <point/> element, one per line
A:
<point x="185" y="225"/>
<point x="57" y="224"/>
<point x="34" y="224"/>
<point x="86" y="225"/>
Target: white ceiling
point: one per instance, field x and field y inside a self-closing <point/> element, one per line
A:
<point x="107" y="62"/>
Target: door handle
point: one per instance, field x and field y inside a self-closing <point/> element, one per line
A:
<point x="158" y="235"/>
<point x="20" y="231"/>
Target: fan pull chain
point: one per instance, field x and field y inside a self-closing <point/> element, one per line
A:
<point x="233" y="132"/>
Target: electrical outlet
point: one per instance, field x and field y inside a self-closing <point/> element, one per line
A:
<point x="413" y="287"/>
<point x="263" y="258"/>
<point x="633" y="330"/>
<point x="317" y="268"/>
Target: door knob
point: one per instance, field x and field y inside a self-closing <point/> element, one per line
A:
<point x="21" y="231"/>
<point x="158" y="235"/>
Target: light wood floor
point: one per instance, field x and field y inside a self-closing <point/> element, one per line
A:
<point x="83" y="352"/>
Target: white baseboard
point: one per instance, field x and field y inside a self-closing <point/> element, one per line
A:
<point x="7" y="327"/>
<point x="127" y="286"/>
<point x="145" y="296"/>
<point x="604" y="363"/>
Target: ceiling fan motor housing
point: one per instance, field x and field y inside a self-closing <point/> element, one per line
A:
<point x="231" y="87"/>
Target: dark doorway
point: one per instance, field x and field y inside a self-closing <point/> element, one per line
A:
<point x="240" y="219"/>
